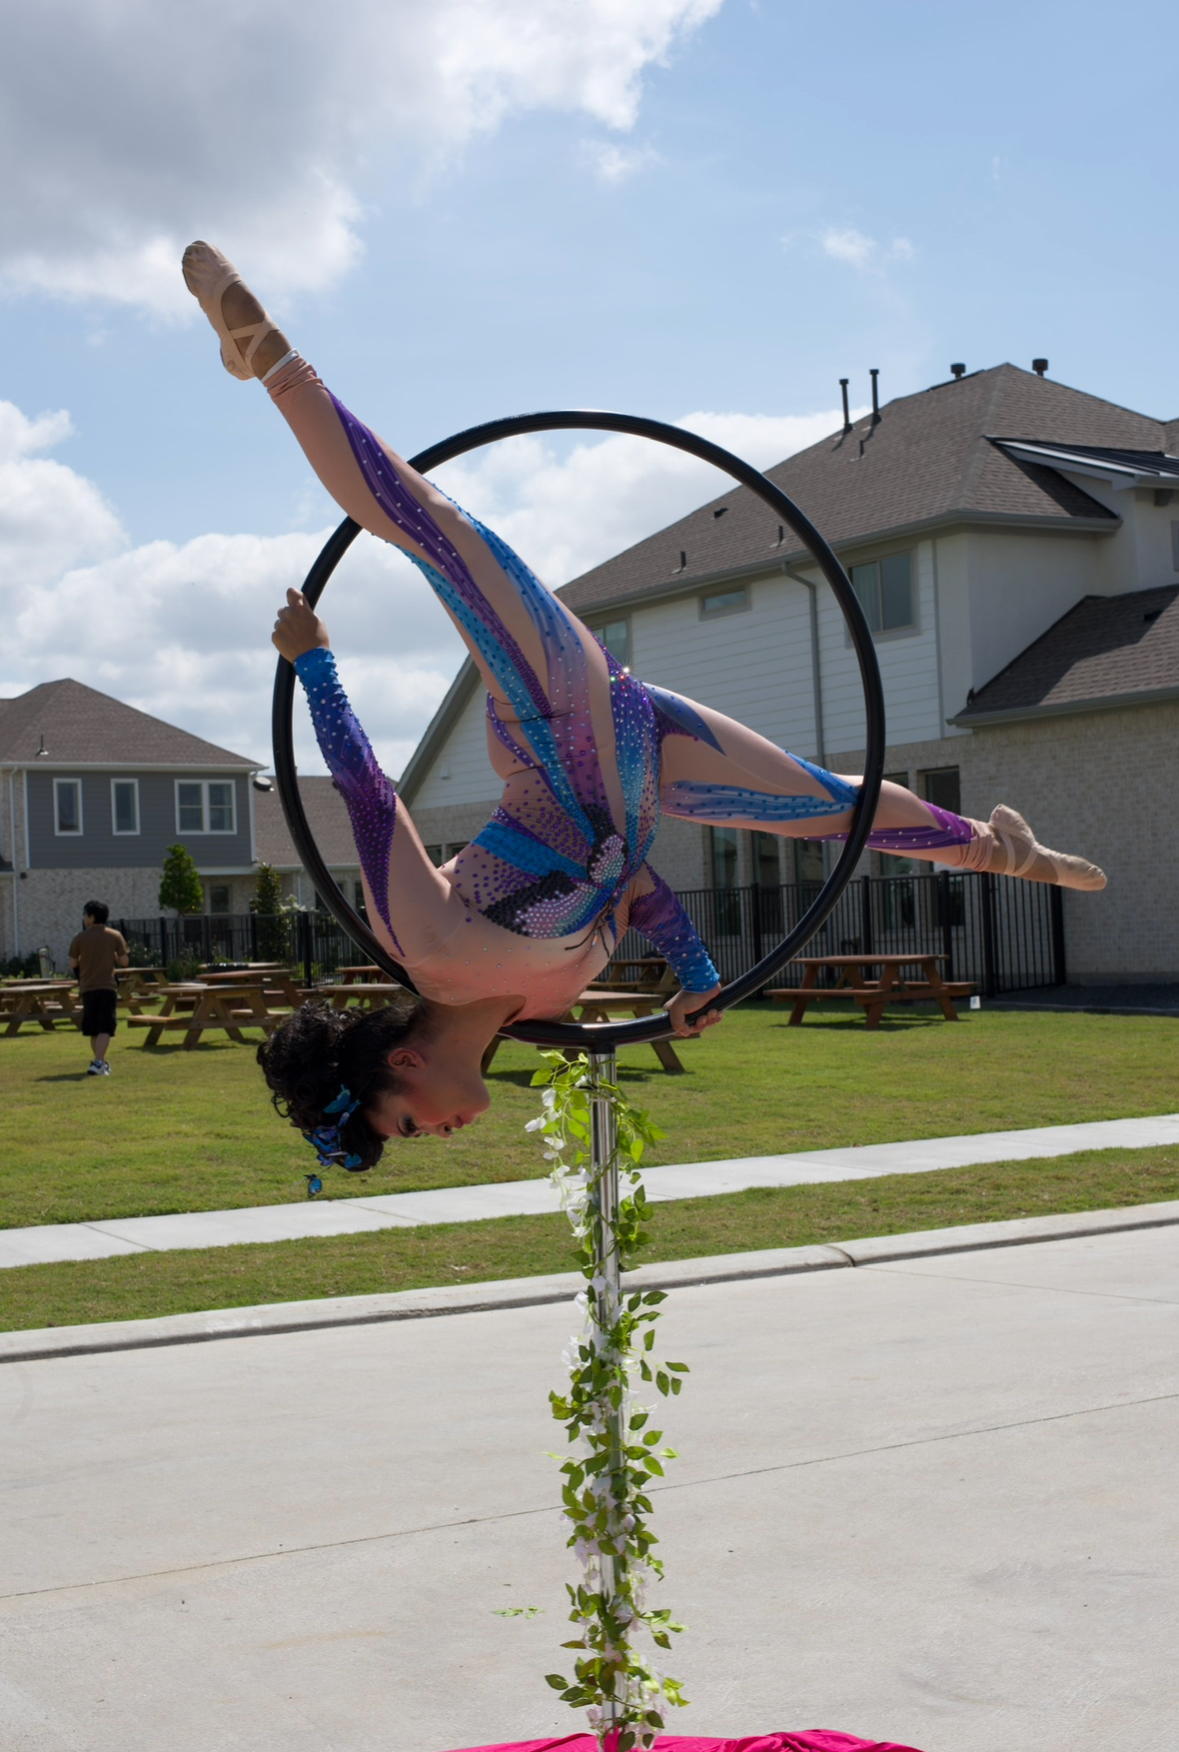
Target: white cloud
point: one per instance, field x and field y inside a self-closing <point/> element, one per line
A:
<point x="181" y="629"/>
<point x="849" y="246"/>
<point x="612" y="163"/>
<point x="863" y="253"/>
<point x="130" y="127"/>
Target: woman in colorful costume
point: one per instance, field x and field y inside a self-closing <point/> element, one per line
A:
<point x="520" y="922"/>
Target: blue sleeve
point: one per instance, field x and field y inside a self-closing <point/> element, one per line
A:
<point x="660" y="917"/>
<point x="370" y="796"/>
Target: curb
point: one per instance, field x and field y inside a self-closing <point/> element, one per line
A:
<point x="276" y="1318"/>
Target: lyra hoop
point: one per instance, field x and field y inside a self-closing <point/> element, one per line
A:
<point x="603" y="1036"/>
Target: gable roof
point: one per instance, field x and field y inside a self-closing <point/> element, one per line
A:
<point x="1106" y="651"/>
<point x="328" y="819"/>
<point x="930" y="459"/>
<point x="77" y="725"/>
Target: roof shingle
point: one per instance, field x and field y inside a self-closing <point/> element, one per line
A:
<point x="930" y="457"/>
<point x="75" y="723"/>
<point x="1106" y="648"/>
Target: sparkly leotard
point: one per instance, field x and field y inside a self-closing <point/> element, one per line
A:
<point x="588" y="757"/>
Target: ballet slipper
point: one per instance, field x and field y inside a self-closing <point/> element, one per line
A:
<point x="1016" y="852"/>
<point x="208" y="275"/>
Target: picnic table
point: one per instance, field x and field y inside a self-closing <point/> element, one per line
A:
<point x="873" y="994"/>
<point x="364" y="975"/>
<point x="47" y="1001"/>
<point x="135" y="981"/>
<point x="194" y="1007"/>
<point x="272" y="980"/>
<point x="364" y="995"/>
<point x="640" y="972"/>
<point x="599" y="1005"/>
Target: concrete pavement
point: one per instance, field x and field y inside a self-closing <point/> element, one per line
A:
<point x="929" y="1500"/>
<point x="104" y="1239"/>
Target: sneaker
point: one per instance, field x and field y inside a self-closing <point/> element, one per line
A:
<point x="95" y="1068"/>
<point x="104" y="1069"/>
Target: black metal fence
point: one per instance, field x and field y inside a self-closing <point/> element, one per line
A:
<point x="310" y="943"/>
<point x="1000" y="934"/>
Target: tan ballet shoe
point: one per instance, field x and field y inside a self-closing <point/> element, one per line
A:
<point x="1018" y="853"/>
<point x="208" y="275"/>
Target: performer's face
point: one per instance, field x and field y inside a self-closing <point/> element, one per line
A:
<point x="438" y="1095"/>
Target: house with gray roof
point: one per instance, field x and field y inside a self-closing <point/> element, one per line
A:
<point x="92" y="792"/>
<point x="327" y="817"/>
<point x="1015" y="545"/>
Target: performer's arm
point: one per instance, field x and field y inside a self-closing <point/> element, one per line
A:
<point x="656" y="912"/>
<point x="369" y="795"/>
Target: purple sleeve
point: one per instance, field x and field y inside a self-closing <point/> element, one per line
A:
<point x="370" y="797"/>
<point x="661" y="919"/>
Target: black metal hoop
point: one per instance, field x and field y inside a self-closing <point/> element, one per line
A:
<point x="603" y="1036"/>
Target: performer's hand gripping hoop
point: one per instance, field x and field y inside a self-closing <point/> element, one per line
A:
<point x="605" y="1036"/>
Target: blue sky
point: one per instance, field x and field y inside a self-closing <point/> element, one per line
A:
<point x="700" y="209"/>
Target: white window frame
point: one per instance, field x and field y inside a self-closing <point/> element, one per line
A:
<point x="742" y="606"/>
<point x="67" y="832"/>
<point x="911" y="627"/>
<point x="125" y="832"/>
<point x="204" y="827"/>
<point x="614" y="620"/>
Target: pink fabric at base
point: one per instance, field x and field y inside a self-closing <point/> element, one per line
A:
<point x="811" y="1740"/>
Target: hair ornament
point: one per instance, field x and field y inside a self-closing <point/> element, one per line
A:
<point x="326" y="1140"/>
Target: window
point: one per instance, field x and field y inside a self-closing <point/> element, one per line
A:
<point x="358" y="900"/>
<point x="808" y="861"/>
<point x="765" y="860"/>
<point x="719" y="602"/>
<point x="125" y="805"/>
<point x="219" y="898"/>
<point x="205" y="806"/>
<point x="434" y="853"/>
<point x="615" y="635"/>
<point x="885" y="590"/>
<point x="942" y="787"/>
<point x="455" y="847"/>
<point x="67" y="806"/>
<point x="724" y="856"/>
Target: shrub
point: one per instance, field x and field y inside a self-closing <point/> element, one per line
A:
<point x="180" y="883"/>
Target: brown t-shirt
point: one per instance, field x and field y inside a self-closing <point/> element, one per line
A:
<point x="95" y="950"/>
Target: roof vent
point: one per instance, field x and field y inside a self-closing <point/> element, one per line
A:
<point x="957" y="372"/>
<point x="874" y="373"/>
<point x="1039" y="366"/>
<point x="262" y="783"/>
<point x="847" y="425"/>
<point x="42" y="751"/>
<point x="683" y="565"/>
<point x="720" y="511"/>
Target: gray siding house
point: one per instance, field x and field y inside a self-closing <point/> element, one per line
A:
<point x="92" y="792"/>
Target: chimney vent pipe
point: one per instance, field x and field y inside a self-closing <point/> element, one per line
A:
<point x="847" y="425"/>
<point x="1039" y="366"/>
<point x="957" y="372"/>
<point x="874" y="373"/>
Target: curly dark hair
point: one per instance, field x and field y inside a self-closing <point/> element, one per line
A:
<point x="318" y="1050"/>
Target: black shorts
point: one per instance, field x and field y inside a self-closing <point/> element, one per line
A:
<point x="100" y="1013"/>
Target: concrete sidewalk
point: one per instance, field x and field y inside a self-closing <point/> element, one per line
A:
<point x="469" y="1204"/>
<point x="928" y="1500"/>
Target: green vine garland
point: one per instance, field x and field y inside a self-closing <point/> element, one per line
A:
<point x="617" y="1453"/>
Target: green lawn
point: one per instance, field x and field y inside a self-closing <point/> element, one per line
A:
<point x="138" y="1286"/>
<point x="177" y="1131"/>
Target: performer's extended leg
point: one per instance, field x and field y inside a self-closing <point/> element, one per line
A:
<point x="716" y="770"/>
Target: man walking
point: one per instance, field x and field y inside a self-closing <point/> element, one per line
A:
<point x="94" y="954"/>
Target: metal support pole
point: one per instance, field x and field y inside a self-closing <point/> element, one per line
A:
<point x="607" y="1273"/>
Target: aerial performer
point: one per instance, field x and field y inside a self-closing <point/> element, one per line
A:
<point x="519" y="923"/>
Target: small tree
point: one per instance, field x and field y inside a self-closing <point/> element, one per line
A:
<point x="269" y="905"/>
<point x="180" y="883"/>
